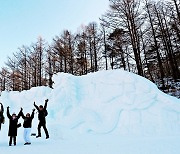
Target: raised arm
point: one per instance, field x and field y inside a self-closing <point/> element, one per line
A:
<point x="19" y="114"/>
<point x="45" y="105"/>
<point x="2" y="108"/>
<point x="22" y="114"/>
<point x="8" y="114"/>
<point x="32" y="115"/>
<point x="36" y="106"/>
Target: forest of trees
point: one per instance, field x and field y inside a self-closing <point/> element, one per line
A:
<point x="140" y="36"/>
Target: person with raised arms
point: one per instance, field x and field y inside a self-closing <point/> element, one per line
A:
<point x="42" y="113"/>
<point x="2" y="119"/>
<point x="27" y="126"/>
<point x="13" y="126"/>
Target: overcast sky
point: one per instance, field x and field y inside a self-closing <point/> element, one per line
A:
<point x="22" y="21"/>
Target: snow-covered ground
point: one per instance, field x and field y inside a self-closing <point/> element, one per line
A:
<point x="108" y="112"/>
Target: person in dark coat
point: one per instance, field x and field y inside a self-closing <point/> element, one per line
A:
<point x="42" y="118"/>
<point x="27" y="126"/>
<point x="13" y="126"/>
<point x="1" y="115"/>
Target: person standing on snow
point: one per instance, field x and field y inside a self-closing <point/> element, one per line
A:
<point x="27" y="126"/>
<point x="13" y="125"/>
<point x="1" y="115"/>
<point x="42" y="118"/>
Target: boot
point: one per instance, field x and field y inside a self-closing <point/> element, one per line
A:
<point x="14" y="141"/>
<point x="47" y="136"/>
<point x="10" y="141"/>
<point x="38" y="136"/>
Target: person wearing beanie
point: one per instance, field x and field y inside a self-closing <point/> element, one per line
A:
<point x="42" y="113"/>
<point x="27" y="126"/>
<point x="13" y="126"/>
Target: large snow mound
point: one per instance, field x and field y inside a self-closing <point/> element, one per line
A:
<point x="105" y="102"/>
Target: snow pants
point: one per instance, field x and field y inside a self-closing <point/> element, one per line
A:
<point x="27" y="133"/>
<point x="42" y="124"/>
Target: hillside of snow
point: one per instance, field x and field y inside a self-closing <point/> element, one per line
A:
<point x="91" y="111"/>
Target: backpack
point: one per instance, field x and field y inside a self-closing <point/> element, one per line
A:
<point x="45" y="113"/>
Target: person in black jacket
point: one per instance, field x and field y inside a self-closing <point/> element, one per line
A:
<point x="13" y="125"/>
<point x="1" y="115"/>
<point x="27" y="126"/>
<point x="42" y="118"/>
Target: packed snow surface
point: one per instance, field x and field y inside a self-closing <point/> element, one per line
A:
<point x="108" y="112"/>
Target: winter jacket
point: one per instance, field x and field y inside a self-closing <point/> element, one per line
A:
<point x="1" y="118"/>
<point x="27" y="120"/>
<point x="13" y="124"/>
<point x="41" y="115"/>
<point x="1" y="115"/>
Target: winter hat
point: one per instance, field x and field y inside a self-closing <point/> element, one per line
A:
<point x="27" y="114"/>
<point x="41" y="106"/>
